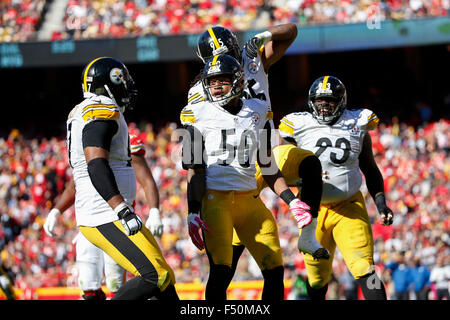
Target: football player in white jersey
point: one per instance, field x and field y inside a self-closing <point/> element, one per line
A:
<point x="258" y="55"/>
<point x="105" y="182"/>
<point x="340" y="138"/>
<point x="93" y="264"/>
<point x="227" y="134"/>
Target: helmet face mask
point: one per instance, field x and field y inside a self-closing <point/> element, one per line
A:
<point x="215" y="41"/>
<point x="327" y="99"/>
<point x="225" y="73"/>
<point x="110" y="77"/>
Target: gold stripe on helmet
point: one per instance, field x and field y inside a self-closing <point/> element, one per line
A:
<point x="325" y="81"/>
<point x="86" y="72"/>
<point x="213" y="36"/>
<point x="213" y="63"/>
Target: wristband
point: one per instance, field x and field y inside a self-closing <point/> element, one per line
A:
<point x="266" y="36"/>
<point x="194" y="206"/>
<point x="154" y="211"/>
<point x="120" y="207"/>
<point x="287" y="196"/>
<point x="55" y="211"/>
<point x="380" y="201"/>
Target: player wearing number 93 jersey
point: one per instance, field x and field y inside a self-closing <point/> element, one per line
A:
<point x="340" y="138"/>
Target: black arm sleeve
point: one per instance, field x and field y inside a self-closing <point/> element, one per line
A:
<point x="103" y="178"/>
<point x="99" y="133"/>
<point x="193" y="147"/>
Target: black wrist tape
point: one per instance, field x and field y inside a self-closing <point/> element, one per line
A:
<point x="287" y="196"/>
<point x="102" y="178"/>
<point x="380" y="201"/>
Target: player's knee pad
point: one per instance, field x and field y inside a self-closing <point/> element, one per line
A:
<point x="273" y="284"/>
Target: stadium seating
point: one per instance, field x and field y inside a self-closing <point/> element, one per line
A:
<point x="413" y="162"/>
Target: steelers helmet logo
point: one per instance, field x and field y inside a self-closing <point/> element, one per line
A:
<point x="116" y="76"/>
<point x="255" y="117"/>
<point x="253" y="67"/>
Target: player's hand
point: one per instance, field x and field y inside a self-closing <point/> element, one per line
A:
<point x="253" y="45"/>
<point x="50" y="222"/>
<point x="154" y="223"/>
<point x="301" y="213"/>
<point x="386" y="216"/>
<point x="194" y="225"/>
<point x="130" y="220"/>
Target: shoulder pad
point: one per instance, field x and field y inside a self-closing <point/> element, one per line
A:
<point x="195" y="93"/>
<point x="366" y="119"/>
<point x="287" y="125"/>
<point x="187" y="115"/>
<point x="100" y="111"/>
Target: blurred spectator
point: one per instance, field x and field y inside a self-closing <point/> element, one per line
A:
<point x="401" y="275"/>
<point x="349" y="286"/>
<point x="414" y="162"/>
<point x="421" y="280"/>
<point x="440" y="275"/>
<point x="19" y="19"/>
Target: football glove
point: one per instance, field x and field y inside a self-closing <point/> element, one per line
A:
<point x="253" y="45"/>
<point x="194" y="225"/>
<point x="154" y="223"/>
<point x="50" y="222"/>
<point x="301" y="213"/>
<point x="386" y="214"/>
<point x="131" y="222"/>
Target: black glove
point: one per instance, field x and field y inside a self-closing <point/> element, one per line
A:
<point x="252" y="47"/>
<point x="131" y="222"/>
<point x="387" y="216"/>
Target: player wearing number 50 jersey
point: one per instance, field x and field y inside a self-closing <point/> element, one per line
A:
<point x="227" y="134"/>
<point x="340" y="138"/>
<point x="105" y="182"/>
<point x="257" y="56"/>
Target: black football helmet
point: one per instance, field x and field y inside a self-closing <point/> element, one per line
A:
<point x="328" y="88"/>
<point x="218" y="40"/>
<point x="110" y="77"/>
<point x="224" y="65"/>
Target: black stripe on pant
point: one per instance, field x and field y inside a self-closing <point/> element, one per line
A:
<point x="129" y="250"/>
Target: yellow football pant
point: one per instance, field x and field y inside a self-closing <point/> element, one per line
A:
<point x="288" y="158"/>
<point x="137" y="254"/>
<point x="254" y="223"/>
<point x="347" y="226"/>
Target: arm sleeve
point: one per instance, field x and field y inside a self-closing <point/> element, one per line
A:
<point x="99" y="133"/>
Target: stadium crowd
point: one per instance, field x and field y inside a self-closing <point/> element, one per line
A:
<point x="88" y="19"/>
<point x="414" y="162"/>
<point x="19" y="19"/>
<point x="97" y="19"/>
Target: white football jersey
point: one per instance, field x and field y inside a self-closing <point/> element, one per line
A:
<point x="90" y="208"/>
<point x="257" y="82"/>
<point x="230" y="141"/>
<point x="337" y="146"/>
